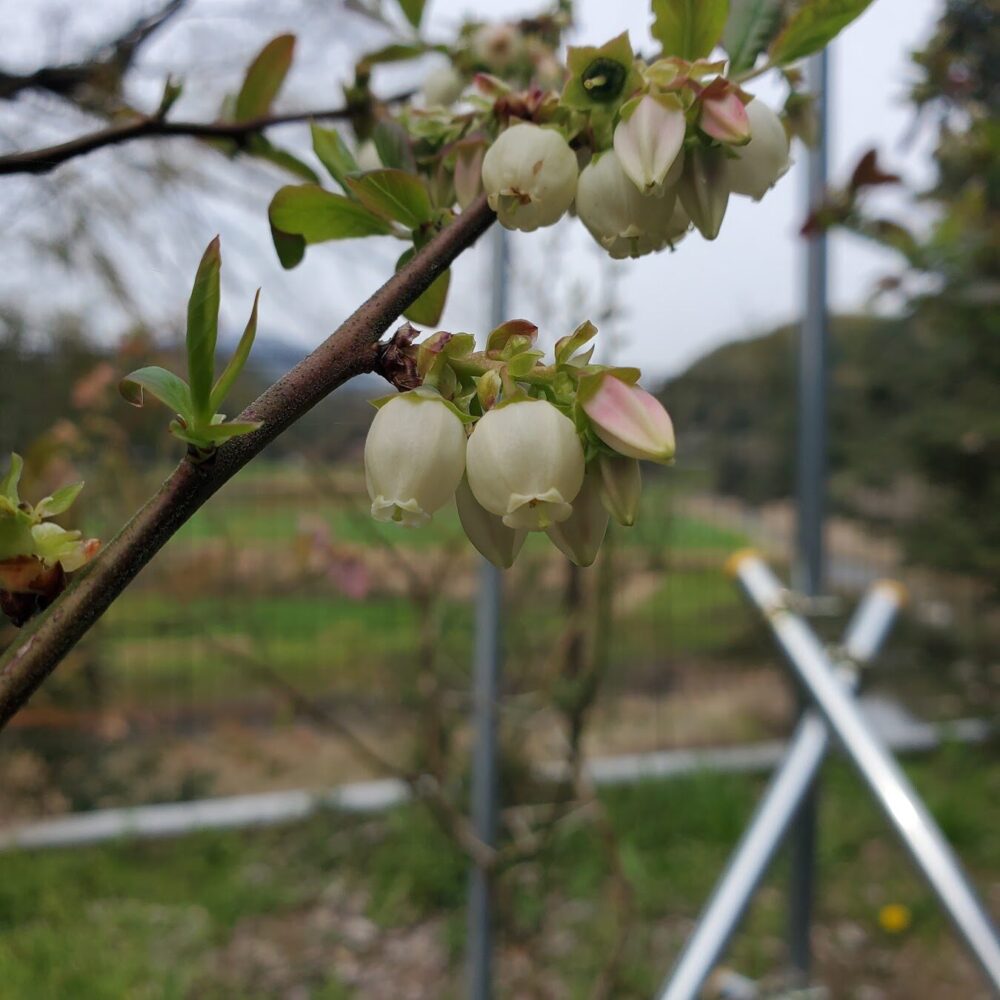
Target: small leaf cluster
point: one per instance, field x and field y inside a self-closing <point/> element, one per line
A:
<point x="196" y="402"/>
<point x="25" y="530"/>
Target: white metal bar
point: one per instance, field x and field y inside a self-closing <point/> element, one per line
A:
<point x="886" y="780"/>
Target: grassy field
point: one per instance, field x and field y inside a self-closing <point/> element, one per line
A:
<point x="340" y="907"/>
<point x="231" y="580"/>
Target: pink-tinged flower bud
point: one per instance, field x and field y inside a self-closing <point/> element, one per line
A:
<point x="525" y="464"/>
<point x="487" y="532"/>
<point x="725" y="118"/>
<point x="629" y="420"/>
<point x="414" y="458"/>
<point x="648" y="141"/>
<point x="579" y="537"/>
<point x="624" y="221"/>
<point x="529" y="175"/>
<point x="764" y="159"/>
<point x="621" y="487"/>
<point x="442" y="86"/>
<point x="704" y="190"/>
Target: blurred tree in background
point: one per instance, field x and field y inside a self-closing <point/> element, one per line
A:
<point x="915" y="429"/>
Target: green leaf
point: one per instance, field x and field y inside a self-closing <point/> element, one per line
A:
<point x="15" y="538"/>
<point x="393" y="144"/>
<point x="333" y="153"/>
<point x="203" y="329"/>
<point x="396" y="52"/>
<point x="225" y="382"/>
<point x="414" y="10"/>
<point x="689" y="28"/>
<point x="751" y="26"/>
<point x="393" y="194"/>
<point x="59" y="502"/>
<point x="165" y="386"/>
<point x="290" y="247"/>
<point x="259" y="145"/>
<point x="812" y="27"/>
<point x="264" y="78"/>
<point x="427" y="309"/>
<point x="8" y="485"/>
<point x="207" y="437"/>
<point x="316" y="215"/>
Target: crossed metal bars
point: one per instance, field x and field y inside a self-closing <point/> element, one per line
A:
<point x="835" y="711"/>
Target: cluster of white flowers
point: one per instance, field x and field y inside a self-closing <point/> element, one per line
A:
<point x="520" y="466"/>
<point x="647" y="190"/>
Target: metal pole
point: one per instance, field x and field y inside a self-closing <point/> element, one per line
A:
<point x="886" y="780"/>
<point x="486" y="690"/>
<point x="811" y="471"/>
<point x="867" y="631"/>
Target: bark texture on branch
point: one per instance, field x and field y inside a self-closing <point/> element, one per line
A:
<point x="350" y="350"/>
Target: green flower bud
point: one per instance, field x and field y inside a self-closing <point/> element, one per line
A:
<point x="579" y="537"/>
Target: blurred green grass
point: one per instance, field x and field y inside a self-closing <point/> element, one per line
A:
<point x="138" y="919"/>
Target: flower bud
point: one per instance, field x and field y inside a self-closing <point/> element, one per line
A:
<point x="579" y="537"/>
<point x="764" y="159"/>
<point x="629" y="420"/>
<point x="525" y="464"/>
<point x="621" y="487"/>
<point x="624" y="221"/>
<point x="497" y="45"/>
<point x="442" y="86"/>
<point x="487" y="532"/>
<point x="414" y="458"/>
<point x="529" y="175"/>
<point x="725" y="118"/>
<point x="703" y="189"/>
<point x="367" y="157"/>
<point x="648" y="141"/>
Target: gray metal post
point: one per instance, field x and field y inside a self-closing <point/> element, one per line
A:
<point x="486" y="690"/>
<point x="777" y="808"/>
<point x="811" y="472"/>
<point x="889" y="785"/>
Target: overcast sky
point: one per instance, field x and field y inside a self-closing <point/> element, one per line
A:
<point x="673" y="306"/>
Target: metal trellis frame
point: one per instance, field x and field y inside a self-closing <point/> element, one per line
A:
<point x="837" y="712"/>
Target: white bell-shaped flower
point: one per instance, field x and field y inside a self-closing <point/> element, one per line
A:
<point x="487" y="532"/>
<point x="525" y="464"/>
<point x="621" y="487"/>
<point x="579" y="537"/>
<point x="624" y="221"/>
<point x="442" y="86"/>
<point x="764" y="159"/>
<point x="648" y="142"/>
<point x="703" y="189"/>
<point x="529" y="175"/>
<point x="414" y="458"/>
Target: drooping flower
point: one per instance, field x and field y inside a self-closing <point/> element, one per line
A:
<point x="487" y="532"/>
<point x="649" y="140"/>
<point x="579" y="537"/>
<point x="367" y="157"/>
<point x="497" y="45"/>
<point x="621" y="487"/>
<point x="624" y="221"/>
<point x="442" y="86"/>
<point x="414" y="458"/>
<point x="529" y="175"/>
<point x="703" y="189"/>
<point x="525" y="464"/>
<point x="764" y="159"/>
<point x="629" y="419"/>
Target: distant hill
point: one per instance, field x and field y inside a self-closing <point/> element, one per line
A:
<point x="734" y="410"/>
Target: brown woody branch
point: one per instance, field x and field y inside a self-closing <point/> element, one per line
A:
<point x="349" y="351"/>
<point x="41" y="161"/>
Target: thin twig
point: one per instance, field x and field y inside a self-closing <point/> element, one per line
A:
<point x="41" y="161"/>
<point x="350" y="351"/>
